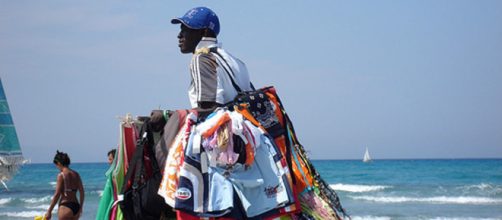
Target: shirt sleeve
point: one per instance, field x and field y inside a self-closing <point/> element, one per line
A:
<point x="204" y="77"/>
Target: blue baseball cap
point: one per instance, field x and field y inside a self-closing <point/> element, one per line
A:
<point x="200" y="18"/>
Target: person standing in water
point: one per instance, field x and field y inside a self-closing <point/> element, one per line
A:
<point x="67" y="185"/>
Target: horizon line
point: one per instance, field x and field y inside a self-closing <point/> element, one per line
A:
<point x="381" y="159"/>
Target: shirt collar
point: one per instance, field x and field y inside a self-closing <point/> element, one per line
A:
<point x="208" y="42"/>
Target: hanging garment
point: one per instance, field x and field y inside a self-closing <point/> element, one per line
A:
<point x="106" y="200"/>
<point x="262" y="186"/>
<point x="174" y="123"/>
<point x="206" y="188"/>
<point x="140" y="199"/>
<point x="174" y="161"/>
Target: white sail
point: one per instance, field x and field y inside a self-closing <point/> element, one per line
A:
<point x="366" y="157"/>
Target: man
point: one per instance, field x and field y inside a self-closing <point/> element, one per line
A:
<point x="216" y="76"/>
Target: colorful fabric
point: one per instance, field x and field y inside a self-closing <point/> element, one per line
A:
<point x="303" y="175"/>
<point x="261" y="186"/>
<point x="128" y="137"/>
<point x="207" y="182"/>
<point x="106" y="200"/>
<point x="174" y="123"/>
<point x="174" y="161"/>
<point x="230" y="166"/>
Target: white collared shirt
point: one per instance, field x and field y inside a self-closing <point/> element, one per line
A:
<point x="210" y="80"/>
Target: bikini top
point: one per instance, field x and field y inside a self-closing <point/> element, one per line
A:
<point x="66" y="189"/>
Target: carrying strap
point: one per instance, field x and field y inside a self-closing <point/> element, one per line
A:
<point x="228" y="70"/>
<point x="151" y="153"/>
<point x="137" y="166"/>
<point x="137" y="160"/>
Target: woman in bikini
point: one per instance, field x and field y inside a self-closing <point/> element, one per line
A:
<point x="68" y="183"/>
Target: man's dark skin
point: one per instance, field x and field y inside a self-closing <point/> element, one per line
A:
<point x="187" y="42"/>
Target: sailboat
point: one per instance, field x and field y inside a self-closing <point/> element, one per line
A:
<point x="11" y="156"/>
<point x="367" y="157"/>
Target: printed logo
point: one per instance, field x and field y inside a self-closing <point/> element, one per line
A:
<point x="271" y="191"/>
<point x="191" y="13"/>
<point x="183" y="193"/>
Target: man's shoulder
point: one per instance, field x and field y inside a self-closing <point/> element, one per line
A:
<point x="203" y="57"/>
<point x="204" y="62"/>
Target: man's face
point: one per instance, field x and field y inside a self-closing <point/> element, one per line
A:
<point x="110" y="158"/>
<point x="188" y="39"/>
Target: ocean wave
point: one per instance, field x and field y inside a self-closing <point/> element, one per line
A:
<point x="5" y="201"/>
<point x="358" y="188"/>
<point x="462" y="218"/>
<point x="41" y="207"/>
<point x="370" y="217"/>
<point x="485" y="188"/>
<point x="481" y="186"/>
<point x="37" y="200"/>
<point x="24" y="214"/>
<point x="435" y="200"/>
<point x="95" y="192"/>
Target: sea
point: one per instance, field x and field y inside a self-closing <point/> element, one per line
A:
<point x="447" y="189"/>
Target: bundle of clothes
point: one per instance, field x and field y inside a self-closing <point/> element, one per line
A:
<point x="242" y="161"/>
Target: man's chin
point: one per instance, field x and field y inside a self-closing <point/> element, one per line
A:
<point x="185" y="51"/>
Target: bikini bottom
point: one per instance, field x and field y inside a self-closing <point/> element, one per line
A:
<point x="74" y="206"/>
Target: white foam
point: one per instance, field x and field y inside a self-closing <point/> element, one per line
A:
<point x="37" y="200"/>
<point x="97" y="192"/>
<point x="370" y="217"/>
<point x="24" y="214"/>
<point x="357" y="188"/>
<point x="41" y="207"/>
<point x="463" y="218"/>
<point x="5" y="201"/>
<point x="483" y="188"/>
<point x="435" y="200"/>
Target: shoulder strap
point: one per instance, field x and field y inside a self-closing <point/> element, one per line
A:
<point x="227" y="69"/>
<point x="135" y="163"/>
<point x="137" y="166"/>
<point x="149" y="144"/>
<point x="182" y="114"/>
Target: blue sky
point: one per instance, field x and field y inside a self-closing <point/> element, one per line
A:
<point x="407" y="79"/>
